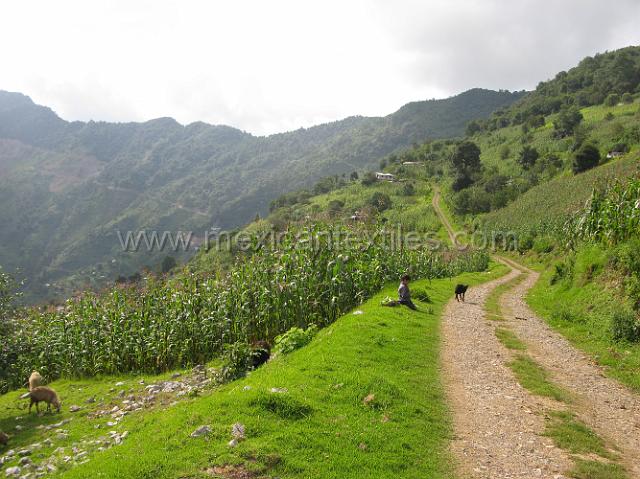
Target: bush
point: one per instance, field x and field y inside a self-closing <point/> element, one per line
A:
<point x="525" y="243"/>
<point x="562" y="270"/>
<point x="369" y="178"/>
<point x="422" y="295"/>
<point x="564" y="315"/>
<point x="587" y="157"/>
<point x="380" y="201"/>
<point x="294" y="339"/>
<point x="612" y="100"/>
<point x="627" y="98"/>
<point x="625" y="326"/>
<point x="236" y="360"/>
<point x="543" y="245"/>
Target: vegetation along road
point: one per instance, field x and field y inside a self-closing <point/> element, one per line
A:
<point x="525" y="402"/>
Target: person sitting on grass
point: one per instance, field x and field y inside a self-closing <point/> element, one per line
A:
<point x="404" y="294"/>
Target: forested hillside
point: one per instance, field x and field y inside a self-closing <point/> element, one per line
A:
<point x="67" y="187"/>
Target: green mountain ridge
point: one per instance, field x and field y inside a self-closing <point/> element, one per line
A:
<point x="68" y="187"/>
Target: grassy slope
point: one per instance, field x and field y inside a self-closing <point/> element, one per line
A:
<point x="320" y="428"/>
<point x="550" y="204"/>
<point x="581" y="309"/>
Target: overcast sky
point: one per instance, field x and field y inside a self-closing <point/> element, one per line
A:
<point x="270" y="66"/>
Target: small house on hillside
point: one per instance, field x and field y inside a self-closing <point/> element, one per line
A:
<point x="614" y="154"/>
<point x="385" y="177"/>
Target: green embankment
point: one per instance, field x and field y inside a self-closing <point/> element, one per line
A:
<point x="321" y="426"/>
<point x="581" y="305"/>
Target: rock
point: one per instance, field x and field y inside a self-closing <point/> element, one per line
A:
<point x="74" y="408"/>
<point x="12" y="471"/>
<point x="201" y="431"/>
<point x="91" y="400"/>
<point x="24" y="461"/>
<point x="233" y="443"/>
<point x="279" y="390"/>
<point x="176" y="375"/>
<point x="369" y="399"/>
<point x="118" y="384"/>
<point x="237" y="431"/>
<point x="24" y="452"/>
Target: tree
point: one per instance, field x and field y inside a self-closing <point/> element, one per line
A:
<point x="466" y="157"/>
<point x="369" y="178"/>
<point x="528" y="157"/>
<point x="380" y="201"/>
<point x="408" y="190"/>
<point x="505" y="151"/>
<point x="334" y="207"/>
<point x="587" y="157"/>
<point x="612" y="100"/>
<point x="168" y="263"/>
<point x="473" y="127"/>
<point x="383" y="164"/>
<point x="353" y="176"/>
<point x="466" y="161"/>
<point x="567" y="121"/>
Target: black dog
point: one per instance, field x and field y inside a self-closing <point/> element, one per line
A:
<point x="260" y="353"/>
<point x="460" y="290"/>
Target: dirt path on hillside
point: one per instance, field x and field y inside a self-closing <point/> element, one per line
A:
<point x="609" y="408"/>
<point x="435" y="202"/>
<point x="498" y="425"/>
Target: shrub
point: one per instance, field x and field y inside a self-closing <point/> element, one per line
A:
<point x="236" y="360"/>
<point x="612" y="100"/>
<point x="422" y="295"/>
<point x="562" y="270"/>
<point x="627" y="98"/>
<point x="369" y="178"/>
<point x="625" y="326"/>
<point x="294" y="339"/>
<point x="543" y="245"/>
<point x="380" y="201"/>
<point x="564" y="315"/>
<point x="586" y="157"/>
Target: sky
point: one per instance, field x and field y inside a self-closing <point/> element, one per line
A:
<point x="278" y="65"/>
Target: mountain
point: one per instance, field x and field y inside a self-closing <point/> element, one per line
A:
<point x="68" y="187"/>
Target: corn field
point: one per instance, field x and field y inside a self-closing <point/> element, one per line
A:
<point x="612" y="214"/>
<point x="165" y="325"/>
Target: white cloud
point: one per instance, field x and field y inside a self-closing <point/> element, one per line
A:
<point x="278" y="65"/>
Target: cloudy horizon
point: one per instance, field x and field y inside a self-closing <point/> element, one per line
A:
<point x="278" y="66"/>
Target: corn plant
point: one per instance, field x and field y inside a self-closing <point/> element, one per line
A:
<point x="164" y="325"/>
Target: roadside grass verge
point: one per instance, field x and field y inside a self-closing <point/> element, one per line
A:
<point x="588" y="469"/>
<point x="492" y="303"/>
<point x="534" y="378"/>
<point x="315" y="423"/>
<point x="509" y="339"/>
<point x="581" y="306"/>
<point x="572" y="435"/>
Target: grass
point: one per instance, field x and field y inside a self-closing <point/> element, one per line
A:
<point x="587" y="469"/>
<point x="573" y="436"/>
<point x="492" y="303"/>
<point x="544" y="208"/>
<point x="535" y="379"/>
<point x="510" y="340"/>
<point x="580" y="307"/>
<point x="321" y="426"/>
